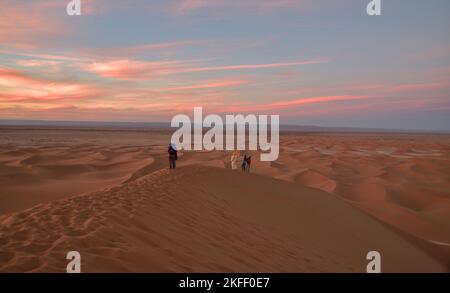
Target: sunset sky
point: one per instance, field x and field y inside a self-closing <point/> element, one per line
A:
<point x="313" y="62"/>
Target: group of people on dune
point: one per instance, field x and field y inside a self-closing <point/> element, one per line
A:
<point x="246" y="162"/>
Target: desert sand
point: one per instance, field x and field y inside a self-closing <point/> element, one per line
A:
<point x="328" y="200"/>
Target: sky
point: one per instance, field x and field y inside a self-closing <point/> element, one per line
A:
<point x="313" y="62"/>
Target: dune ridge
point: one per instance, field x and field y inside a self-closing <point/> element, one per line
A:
<point x="203" y="219"/>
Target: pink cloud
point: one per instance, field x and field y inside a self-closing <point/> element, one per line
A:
<point x="54" y="65"/>
<point x="376" y="105"/>
<point x="131" y="69"/>
<point x="21" y="92"/>
<point x="253" y="66"/>
<point x="209" y="85"/>
<point x="375" y="88"/>
<point x="160" y="46"/>
<point x="288" y="104"/>
<point x="24" y="25"/>
<point x="416" y="87"/>
<point x="124" y="52"/>
<point x="36" y="63"/>
<point x="315" y="100"/>
<point x="336" y="89"/>
<point x="17" y="85"/>
<point x="45" y="57"/>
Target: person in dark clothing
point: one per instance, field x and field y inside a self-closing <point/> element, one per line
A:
<point x="172" y="156"/>
<point x="244" y="163"/>
<point x="249" y="163"/>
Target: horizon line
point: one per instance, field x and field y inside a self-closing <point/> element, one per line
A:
<point x="312" y="128"/>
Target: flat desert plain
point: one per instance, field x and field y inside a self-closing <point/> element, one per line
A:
<point x="328" y="200"/>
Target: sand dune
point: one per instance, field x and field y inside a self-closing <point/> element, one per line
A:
<point x="24" y="182"/>
<point x="401" y="180"/>
<point x="48" y="165"/>
<point x="203" y="219"/>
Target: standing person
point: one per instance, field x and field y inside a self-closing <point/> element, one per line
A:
<point x="172" y="156"/>
<point x="249" y="163"/>
<point x="234" y="158"/>
<point x="244" y="163"/>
